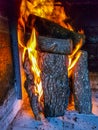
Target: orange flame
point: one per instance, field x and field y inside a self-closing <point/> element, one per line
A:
<point x="33" y="57"/>
<point x="45" y="9"/>
<point x="59" y="16"/>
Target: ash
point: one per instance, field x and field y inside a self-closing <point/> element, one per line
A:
<point x="71" y="120"/>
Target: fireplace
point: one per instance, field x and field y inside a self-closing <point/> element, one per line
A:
<point x="87" y="29"/>
<point x="52" y="58"/>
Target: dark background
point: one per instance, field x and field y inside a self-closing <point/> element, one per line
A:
<point x="83" y="15"/>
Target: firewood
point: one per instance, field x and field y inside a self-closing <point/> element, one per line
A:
<point x="29" y="86"/>
<point x="81" y="85"/>
<point x="50" y="29"/>
<point x="55" y="84"/>
<point x="53" y="45"/>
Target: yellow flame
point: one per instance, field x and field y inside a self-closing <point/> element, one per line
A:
<point x="73" y="58"/>
<point x="46" y="9"/>
<point x="73" y="63"/>
<point x="33" y="56"/>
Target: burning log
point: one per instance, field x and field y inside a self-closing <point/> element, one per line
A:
<point x="53" y="45"/>
<point x="49" y="28"/>
<point x="29" y="86"/>
<point x="81" y="85"/>
<point x="55" y="83"/>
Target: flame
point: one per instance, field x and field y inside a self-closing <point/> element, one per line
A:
<point x="59" y="16"/>
<point x="53" y="11"/>
<point x="73" y="63"/>
<point x="50" y="10"/>
<point x="42" y="8"/>
<point x="33" y="56"/>
<point x="73" y="58"/>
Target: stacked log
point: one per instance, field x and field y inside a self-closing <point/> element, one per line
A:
<point x="54" y="77"/>
<point x="55" y="83"/>
<point x="81" y="85"/>
<point x="54" y="45"/>
<point x="50" y="29"/>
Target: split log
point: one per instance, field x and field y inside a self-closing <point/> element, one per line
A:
<point x="53" y="45"/>
<point x="50" y="29"/>
<point x="29" y="86"/>
<point x="55" y="84"/>
<point x="81" y="85"/>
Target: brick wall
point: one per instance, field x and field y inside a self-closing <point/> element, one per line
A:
<point x="6" y="65"/>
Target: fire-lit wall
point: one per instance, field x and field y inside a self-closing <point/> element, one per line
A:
<point x="84" y="15"/>
<point x="6" y="65"/>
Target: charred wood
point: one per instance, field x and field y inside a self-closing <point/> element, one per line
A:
<point x="55" y="83"/>
<point x="29" y="86"/>
<point x="53" y="45"/>
<point x="50" y="29"/>
<point x="81" y="85"/>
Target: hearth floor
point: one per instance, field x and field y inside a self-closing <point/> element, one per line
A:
<point x="70" y="121"/>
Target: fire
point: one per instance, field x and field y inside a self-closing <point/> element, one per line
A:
<point x="72" y="63"/>
<point x="58" y="16"/>
<point x="33" y="57"/>
<point x="50" y="10"/>
<point x="44" y="8"/>
<point x="73" y="58"/>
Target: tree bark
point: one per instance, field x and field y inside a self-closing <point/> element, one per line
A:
<point x="29" y="86"/>
<point x="55" y="83"/>
<point x="81" y="85"/>
<point x="53" y="45"/>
